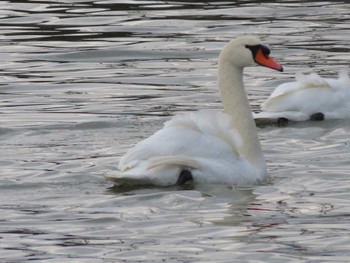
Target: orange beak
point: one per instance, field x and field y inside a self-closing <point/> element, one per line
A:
<point x="267" y="61"/>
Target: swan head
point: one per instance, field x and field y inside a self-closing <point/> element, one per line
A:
<point x="248" y="51"/>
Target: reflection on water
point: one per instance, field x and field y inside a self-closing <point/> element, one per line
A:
<point x="83" y="81"/>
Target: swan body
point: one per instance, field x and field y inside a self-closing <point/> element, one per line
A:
<point x="208" y="147"/>
<point x="307" y="96"/>
<point x="203" y="142"/>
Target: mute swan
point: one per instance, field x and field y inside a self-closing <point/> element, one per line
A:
<point x="310" y="97"/>
<point x="208" y="147"/>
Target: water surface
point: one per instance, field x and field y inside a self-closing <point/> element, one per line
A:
<point x="83" y="81"/>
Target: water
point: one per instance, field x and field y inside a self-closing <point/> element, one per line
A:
<point x="83" y="81"/>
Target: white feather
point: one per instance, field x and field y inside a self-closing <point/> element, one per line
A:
<point x="185" y="162"/>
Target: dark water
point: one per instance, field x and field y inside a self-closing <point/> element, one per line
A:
<point x="83" y="81"/>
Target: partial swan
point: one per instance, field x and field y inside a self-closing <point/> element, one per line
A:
<point x="310" y="97"/>
<point x="207" y="147"/>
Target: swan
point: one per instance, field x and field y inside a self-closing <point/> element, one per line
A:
<point x="310" y="97"/>
<point x="207" y="146"/>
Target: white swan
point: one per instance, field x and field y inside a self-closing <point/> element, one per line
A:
<point x="310" y="97"/>
<point x="208" y="147"/>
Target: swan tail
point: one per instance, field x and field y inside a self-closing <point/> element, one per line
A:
<point x="161" y="171"/>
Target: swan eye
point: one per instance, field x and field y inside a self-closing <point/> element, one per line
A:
<point x="265" y="50"/>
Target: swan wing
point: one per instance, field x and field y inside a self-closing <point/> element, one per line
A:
<point x="302" y="83"/>
<point x="188" y="141"/>
<point x="183" y="161"/>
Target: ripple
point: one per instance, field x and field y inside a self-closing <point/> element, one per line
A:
<point x="81" y="83"/>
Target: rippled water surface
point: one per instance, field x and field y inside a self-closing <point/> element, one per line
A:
<point x="83" y="81"/>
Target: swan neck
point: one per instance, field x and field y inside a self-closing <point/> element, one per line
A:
<point x="236" y="104"/>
